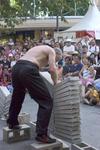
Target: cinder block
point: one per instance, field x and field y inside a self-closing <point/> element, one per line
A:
<point x="69" y="106"/>
<point x="5" y="99"/>
<point x="68" y="125"/>
<point x="68" y="120"/>
<point x="81" y="146"/>
<point x="69" y="138"/>
<point x="24" y="118"/>
<point x="65" y="145"/>
<point x="11" y="136"/>
<point x="63" y="85"/>
<point x="68" y="129"/>
<point x="54" y="146"/>
<point x="90" y="148"/>
<point x="67" y="98"/>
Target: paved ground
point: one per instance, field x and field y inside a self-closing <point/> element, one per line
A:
<point x="90" y="126"/>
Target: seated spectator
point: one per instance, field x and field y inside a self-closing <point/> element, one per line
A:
<point x="60" y="70"/>
<point x="87" y="73"/>
<point x="67" y="66"/>
<point x="92" y="59"/>
<point x="75" y="67"/>
<point x="78" y="48"/>
<point x="15" y="59"/>
<point x="91" y="95"/>
<point x="85" y="40"/>
<point x="10" y="42"/>
<point x="5" y="81"/>
<point x="5" y="61"/>
<point x="1" y="70"/>
<point x="68" y="47"/>
<point x="84" y="53"/>
<point x="94" y="49"/>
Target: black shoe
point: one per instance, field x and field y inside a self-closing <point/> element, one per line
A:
<point x="14" y="127"/>
<point x="45" y="139"/>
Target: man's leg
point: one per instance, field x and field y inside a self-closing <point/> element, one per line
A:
<point x="15" y="106"/>
<point x="39" y="92"/>
<point x="18" y="96"/>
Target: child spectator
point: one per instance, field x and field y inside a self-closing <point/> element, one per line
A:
<point x="87" y="73"/>
<point x="91" y="95"/>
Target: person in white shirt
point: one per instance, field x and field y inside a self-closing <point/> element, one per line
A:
<point x="68" y="48"/>
<point x="94" y="49"/>
<point x="85" y="41"/>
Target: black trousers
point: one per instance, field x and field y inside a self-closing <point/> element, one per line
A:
<point x="25" y="75"/>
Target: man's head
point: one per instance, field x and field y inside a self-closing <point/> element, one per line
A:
<point x="77" y="59"/>
<point x="58" y="52"/>
<point x="68" y="42"/>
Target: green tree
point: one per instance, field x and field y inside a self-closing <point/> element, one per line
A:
<point x="13" y="12"/>
<point x="64" y="7"/>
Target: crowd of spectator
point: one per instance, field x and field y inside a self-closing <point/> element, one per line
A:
<point x="79" y="58"/>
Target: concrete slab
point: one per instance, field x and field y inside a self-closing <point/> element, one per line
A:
<point x="40" y="146"/>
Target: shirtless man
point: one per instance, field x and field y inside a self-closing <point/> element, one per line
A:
<point x="25" y="75"/>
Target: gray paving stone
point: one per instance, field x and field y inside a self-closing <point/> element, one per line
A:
<point x="53" y="146"/>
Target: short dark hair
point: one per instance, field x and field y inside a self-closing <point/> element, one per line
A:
<point x="84" y="46"/>
<point x="57" y="50"/>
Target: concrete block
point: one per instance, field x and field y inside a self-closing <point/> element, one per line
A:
<point x="11" y="136"/>
<point x="65" y="145"/>
<point x="67" y="107"/>
<point x="5" y="99"/>
<point x="90" y="148"/>
<point x="66" y="116"/>
<point x="69" y="89"/>
<point x="65" y="101"/>
<point x="68" y="125"/>
<point x="24" y="118"/>
<point x="81" y="146"/>
<point x="67" y="97"/>
<point x="68" y="120"/>
<point x="41" y="146"/>
<point x="69" y="138"/>
<point x="63" y="85"/>
<point x="68" y="82"/>
<point x="68" y="129"/>
<point x="69" y="111"/>
<point x="67" y="132"/>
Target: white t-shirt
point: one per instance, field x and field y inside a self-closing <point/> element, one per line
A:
<point x="69" y="49"/>
<point x="94" y="49"/>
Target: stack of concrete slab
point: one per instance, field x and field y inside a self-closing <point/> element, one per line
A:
<point x="5" y="99"/>
<point x="67" y="110"/>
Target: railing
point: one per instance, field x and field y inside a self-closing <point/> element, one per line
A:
<point x="46" y="17"/>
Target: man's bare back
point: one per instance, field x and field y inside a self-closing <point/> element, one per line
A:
<point x="40" y="55"/>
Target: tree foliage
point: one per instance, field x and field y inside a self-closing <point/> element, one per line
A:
<point x="13" y="12"/>
<point x="60" y="7"/>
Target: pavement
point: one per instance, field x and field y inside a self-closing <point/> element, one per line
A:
<point x="90" y="126"/>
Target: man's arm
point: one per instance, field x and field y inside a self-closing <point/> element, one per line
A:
<point x="52" y="67"/>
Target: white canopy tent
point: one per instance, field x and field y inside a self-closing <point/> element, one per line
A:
<point x="90" y="24"/>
